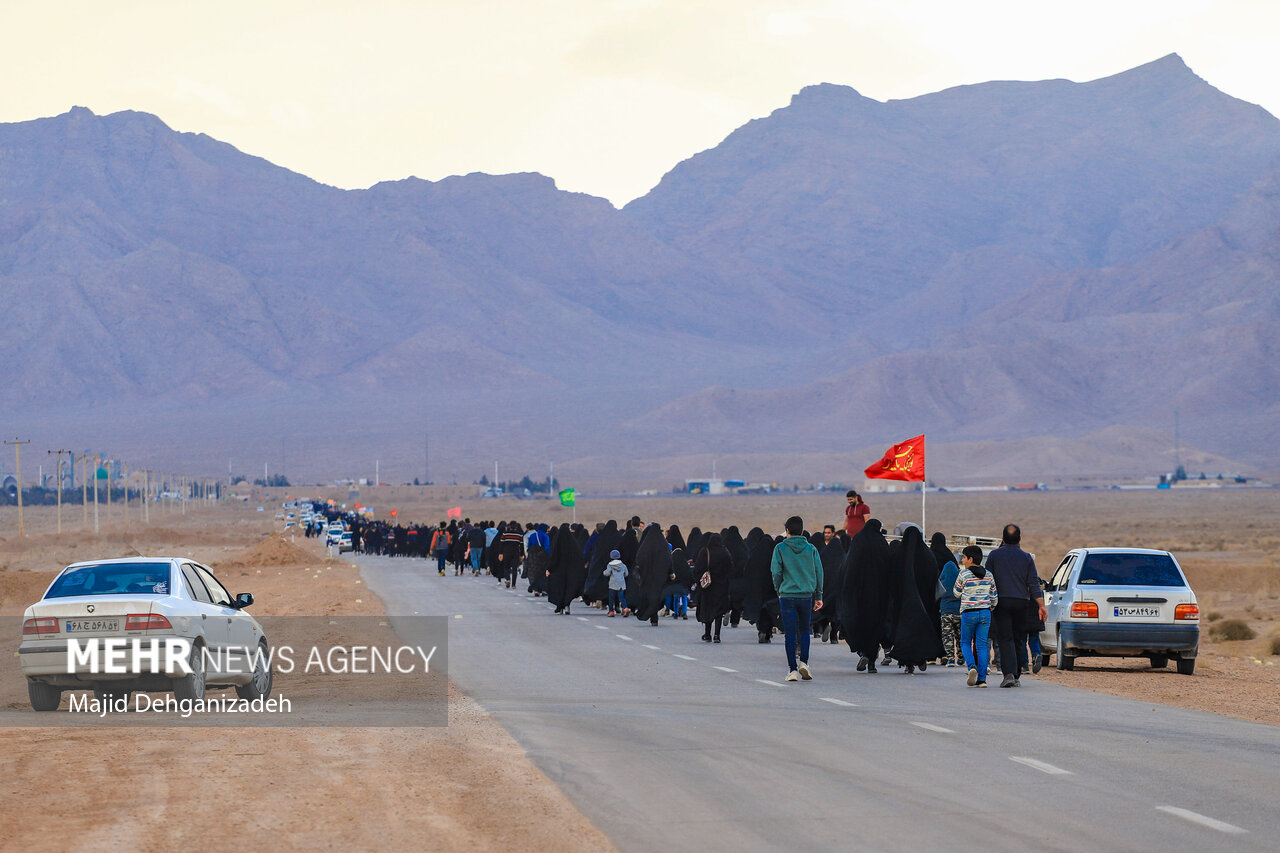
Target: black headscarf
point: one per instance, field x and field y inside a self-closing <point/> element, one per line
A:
<point x="675" y="539"/>
<point x="596" y="587"/>
<point x="941" y="553"/>
<point x="694" y="543"/>
<point x="832" y="555"/>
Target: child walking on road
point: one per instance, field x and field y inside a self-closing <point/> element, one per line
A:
<point x="616" y="572"/>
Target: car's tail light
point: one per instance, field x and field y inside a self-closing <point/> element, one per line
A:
<point x="145" y="622"/>
<point x="1084" y="610"/>
<point x="47" y="625"/>
<point x="1186" y="611"/>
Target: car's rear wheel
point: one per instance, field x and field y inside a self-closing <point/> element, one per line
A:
<point x="260" y="686"/>
<point x="191" y="685"/>
<point x="1159" y="661"/>
<point x="1066" y="662"/>
<point x="1186" y="666"/>
<point x="44" y="697"/>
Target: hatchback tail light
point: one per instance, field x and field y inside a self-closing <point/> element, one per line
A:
<point x="47" y="625"/>
<point x="145" y="622"/>
<point x="1186" y="611"/>
<point x="1084" y="610"/>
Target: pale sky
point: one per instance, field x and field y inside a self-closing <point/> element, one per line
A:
<point x="604" y="96"/>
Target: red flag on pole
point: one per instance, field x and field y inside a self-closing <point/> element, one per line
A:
<point x="394" y="513"/>
<point x="456" y="512"/>
<point x="903" y="461"/>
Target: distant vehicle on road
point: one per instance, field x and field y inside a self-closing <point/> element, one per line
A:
<point x="1121" y="602"/>
<point x="142" y="597"/>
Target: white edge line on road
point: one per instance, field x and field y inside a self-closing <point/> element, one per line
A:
<point x="622" y="636"/>
<point x="840" y="702"/>
<point x="1194" y="817"/>
<point x="931" y="727"/>
<point x="655" y="648"/>
<point x="724" y="669"/>
<point x="683" y="657"/>
<point x="770" y="683"/>
<point x="1042" y="766"/>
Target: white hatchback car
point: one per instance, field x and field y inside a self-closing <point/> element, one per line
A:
<point x="144" y="598"/>
<point x="1121" y="602"/>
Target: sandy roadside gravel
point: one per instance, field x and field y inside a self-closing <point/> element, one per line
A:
<point x="467" y="786"/>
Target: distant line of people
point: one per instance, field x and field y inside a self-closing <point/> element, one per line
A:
<point x="914" y="603"/>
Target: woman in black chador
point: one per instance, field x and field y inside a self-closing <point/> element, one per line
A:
<point x="916" y="636"/>
<point x="760" y="599"/>
<point x="566" y="571"/>
<point x="712" y="570"/>
<point x="649" y="576"/>
<point x="864" y="594"/>
<point x="827" y="620"/>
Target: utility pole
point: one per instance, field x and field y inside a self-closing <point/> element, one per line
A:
<point x="17" y="458"/>
<point x="58" y="477"/>
<point x="95" y="499"/>
<point x="146" y="494"/>
<point x="426" y="460"/>
<point x="107" y="468"/>
<point x="377" y="472"/>
<point x="185" y="494"/>
<point x="84" y="489"/>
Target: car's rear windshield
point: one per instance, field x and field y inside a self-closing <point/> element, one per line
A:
<point x="1130" y="570"/>
<point x="112" y="579"/>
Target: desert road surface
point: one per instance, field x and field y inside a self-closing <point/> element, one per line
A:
<point x="665" y="742"/>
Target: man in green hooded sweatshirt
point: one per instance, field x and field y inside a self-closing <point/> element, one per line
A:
<point x="797" y="575"/>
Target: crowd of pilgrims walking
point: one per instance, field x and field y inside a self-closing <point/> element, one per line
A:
<point x="900" y="602"/>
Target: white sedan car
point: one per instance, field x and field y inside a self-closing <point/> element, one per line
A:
<point x="132" y="600"/>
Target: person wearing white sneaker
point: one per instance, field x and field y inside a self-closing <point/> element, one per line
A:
<point x="797" y="575"/>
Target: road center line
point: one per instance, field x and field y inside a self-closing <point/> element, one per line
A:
<point x="583" y="619"/>
<point x="1043" y="767"/>
<point x="931" y="727"/>
<point x="622" y="636"/>
<point x="840" y="702"/>
<point x="1203" y="820"/>
<point x="770" y="683"/>
<point x="655" y="648"/>
<point x="724" y="669"/>
<point x="683" y="657"/>
<point x="603" y="627"/>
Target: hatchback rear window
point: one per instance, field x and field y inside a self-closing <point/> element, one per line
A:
<point x="1130" y="570"/>
<point x="112" y="579"/>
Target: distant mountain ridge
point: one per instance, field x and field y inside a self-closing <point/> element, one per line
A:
<point x="991" y="262"/>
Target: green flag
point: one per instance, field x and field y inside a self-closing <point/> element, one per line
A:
<point x="567" y="496"/>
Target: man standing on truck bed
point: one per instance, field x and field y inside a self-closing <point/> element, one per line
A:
<point x="1014" y="571"/>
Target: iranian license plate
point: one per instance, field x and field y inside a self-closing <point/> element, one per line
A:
<point x="1137" y="610"/>
<point x="81" y="626"/>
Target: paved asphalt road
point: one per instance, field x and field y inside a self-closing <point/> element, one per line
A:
<point x="667" y="743"/>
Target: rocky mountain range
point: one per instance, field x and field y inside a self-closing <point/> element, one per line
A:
<point x="993" y="263"/>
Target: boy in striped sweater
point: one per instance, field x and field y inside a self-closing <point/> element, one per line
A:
<point x="976" y="590"/>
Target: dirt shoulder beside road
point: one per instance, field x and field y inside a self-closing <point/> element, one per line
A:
<point x="467" y="786"/>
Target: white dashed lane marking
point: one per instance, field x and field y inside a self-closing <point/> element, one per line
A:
<point x="622" y="636"/>
<point x="724" y="669"/>
<point x="603" y="627"/>
<point x="932" y="728"/>
<point x="840" y="702"/>
<point x="683" y="657"/>
<point x="655" y="648"/>
<point x="583" y="619"/>
<point x="1042" y="766"/>
<point x="770" y="683"/>
<point x="1203" y="820"/>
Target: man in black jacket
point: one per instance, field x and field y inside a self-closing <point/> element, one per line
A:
<point x="1018" y="585"/>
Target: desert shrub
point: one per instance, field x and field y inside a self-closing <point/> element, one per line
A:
<point x="1272" y="645"/>
<point x="1231" y="629"/>
<point x="1213" y="616"/>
